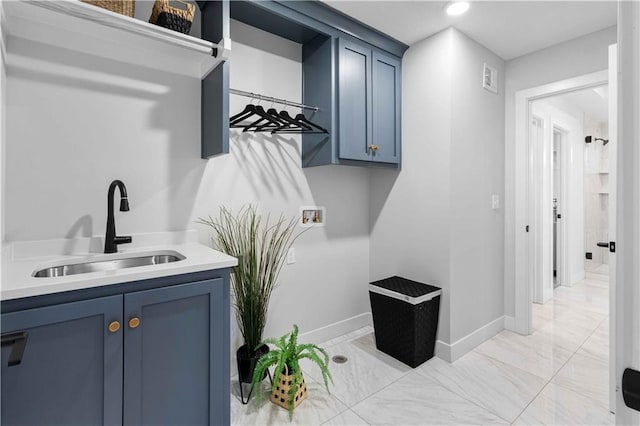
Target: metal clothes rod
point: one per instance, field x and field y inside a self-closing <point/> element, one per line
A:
<point x="270" y="99"/>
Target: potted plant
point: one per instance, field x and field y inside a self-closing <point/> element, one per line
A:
<point x="288" y="389"/>
<point x="261" y="247"/>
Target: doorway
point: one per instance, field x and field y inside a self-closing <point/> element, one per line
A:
<point x="536" y="243"/>
<point x="569" y="140"/>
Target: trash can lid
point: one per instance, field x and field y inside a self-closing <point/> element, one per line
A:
<point x="405" y="289"/>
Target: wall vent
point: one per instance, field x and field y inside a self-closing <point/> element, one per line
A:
<point x="490" y="78"/>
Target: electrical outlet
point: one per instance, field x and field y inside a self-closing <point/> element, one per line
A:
<point x="291" y="256"/>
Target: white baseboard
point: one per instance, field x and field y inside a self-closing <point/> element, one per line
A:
<point x="320" y="335"/>
<point x="337" y="329"/>
<point x="510" y="323"/>
<point x="576" y="278"/>
<point x="454" y="351"/>
<point x="443" y="350"/>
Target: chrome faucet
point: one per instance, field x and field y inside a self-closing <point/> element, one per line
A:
<point x="111" y="240"/>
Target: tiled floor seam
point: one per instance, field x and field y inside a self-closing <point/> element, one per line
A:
<point x="341" y="413"/>
<point x="511" y="365"/>
<point x="467" y="399"/>
<point x="557" y="371"/>
<point x="371" y="394"/>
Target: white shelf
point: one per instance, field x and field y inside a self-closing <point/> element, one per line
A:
<point x="85" y="28"/>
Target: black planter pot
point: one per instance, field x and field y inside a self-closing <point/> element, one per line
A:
<point x="247" y="362"/>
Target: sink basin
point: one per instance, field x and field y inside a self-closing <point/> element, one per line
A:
<point x="107" y="265"/>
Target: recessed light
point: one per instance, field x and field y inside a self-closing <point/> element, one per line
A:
<point x="456" y="7"/>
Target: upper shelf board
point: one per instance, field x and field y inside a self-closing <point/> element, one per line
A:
<point x="85" y="28"/>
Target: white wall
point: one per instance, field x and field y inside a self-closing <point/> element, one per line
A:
<point x="3" y="79"/>
<point x="570" y="59"/>
<point x="410" y="209"/>
<point x="76" y="122"/>
<point x="477" y="164"/>
<point x="433" y="221"/>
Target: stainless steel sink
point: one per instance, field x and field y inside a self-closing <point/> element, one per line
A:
<point x="107" y="265"/>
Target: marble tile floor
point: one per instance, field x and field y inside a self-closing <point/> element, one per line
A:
<point x="557" y="375"/>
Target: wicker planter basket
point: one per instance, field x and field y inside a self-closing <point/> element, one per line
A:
<point x="124" y="7"/>
<point x="176" y="18"/>
<point x="280" y="395"/>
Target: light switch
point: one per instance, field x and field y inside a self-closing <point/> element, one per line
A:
<point x="495" y="201"/>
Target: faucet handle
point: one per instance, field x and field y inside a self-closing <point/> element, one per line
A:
<point x="122" y="239"/>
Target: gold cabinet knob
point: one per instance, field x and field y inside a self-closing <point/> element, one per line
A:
<point x="114" y="326"/>
<point x="134" y="322"/>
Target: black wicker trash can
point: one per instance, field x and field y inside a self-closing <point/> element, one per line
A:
<point x="405" y="318"/>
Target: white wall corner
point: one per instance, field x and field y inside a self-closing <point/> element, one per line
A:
<point x="443" y="351"/>
<point x="510" y="323"/>
<point x="577" y="276"/>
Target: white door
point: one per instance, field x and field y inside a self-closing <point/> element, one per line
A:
<point x="627" y="315"/>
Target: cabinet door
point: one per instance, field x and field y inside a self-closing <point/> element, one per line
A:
<point x="354" y="102"/>
<point x="177" y="356"/>
<point x="386" y="108"/>
<point x="70" y="371"/>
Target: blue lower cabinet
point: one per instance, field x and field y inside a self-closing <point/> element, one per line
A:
<point x="174" y="356"/>
<point x="159" y="356"/>
<point x="61" y="365"/>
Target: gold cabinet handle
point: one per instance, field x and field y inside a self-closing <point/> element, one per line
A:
<point x="134" y="322"/>
<point x="374" y="147"/>
<point x="114" y="326"/>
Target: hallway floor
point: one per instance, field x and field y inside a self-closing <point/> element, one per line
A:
<point x="557" y="375"/>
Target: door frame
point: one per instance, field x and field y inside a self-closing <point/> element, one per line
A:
<point x="562" y="243"/>
<point x="627" y="315"/>
<point x="525" y="243"/>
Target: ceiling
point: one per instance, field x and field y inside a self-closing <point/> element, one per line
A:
<point x="593" y="102"/>
<point x="508" y="28"/>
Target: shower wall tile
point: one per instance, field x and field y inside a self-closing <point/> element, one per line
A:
<point x="596" y="188"/>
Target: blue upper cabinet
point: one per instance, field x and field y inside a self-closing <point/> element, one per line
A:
<point x="354" y="101"/>
<point x="351" y="72"/>
<point x="369" y="93"/>
<point x="386" y="99"/>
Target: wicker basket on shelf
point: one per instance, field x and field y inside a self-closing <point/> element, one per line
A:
<point x="176" y="16"/>
<point x="124" y="7"/>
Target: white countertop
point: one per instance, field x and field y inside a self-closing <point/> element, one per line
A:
<point x="21" y="259"/>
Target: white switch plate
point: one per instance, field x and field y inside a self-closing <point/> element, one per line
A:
<point x="495" y="201"/>
<point x="291" y="256"/>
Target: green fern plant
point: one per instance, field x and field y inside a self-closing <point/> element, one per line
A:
<point x="261" y="247"/>
<point x="287" y="353"/>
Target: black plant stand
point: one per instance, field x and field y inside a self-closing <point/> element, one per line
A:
<point x="250" y="391"/>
